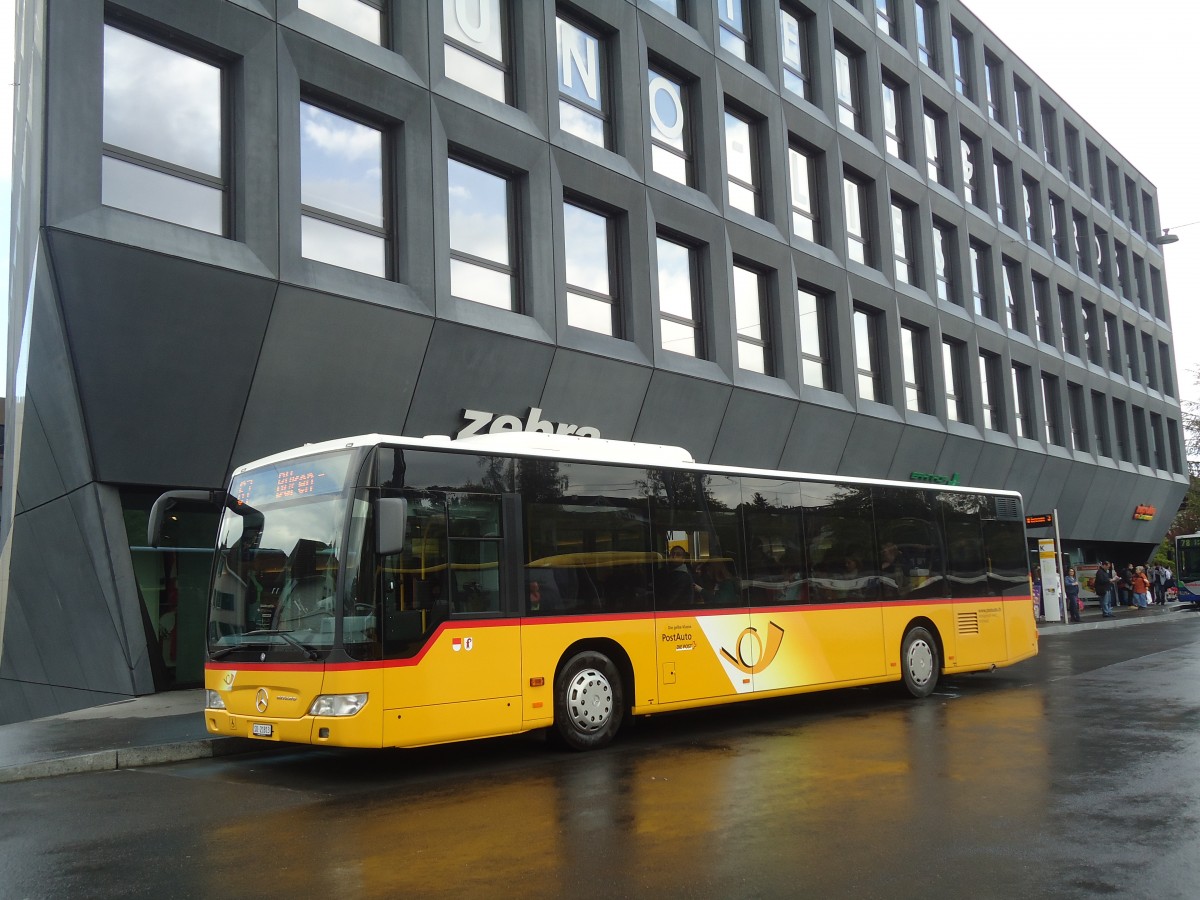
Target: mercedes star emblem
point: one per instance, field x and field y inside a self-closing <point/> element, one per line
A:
<point x="260" y="700"/>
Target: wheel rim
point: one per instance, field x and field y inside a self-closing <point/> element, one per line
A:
<point x="920" y="662"/>
<point x="589" y="701"/>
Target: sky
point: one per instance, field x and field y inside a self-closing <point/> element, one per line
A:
<point x="1129" y="69"/>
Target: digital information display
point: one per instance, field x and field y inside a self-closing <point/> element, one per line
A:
<point x="293" y="480"/>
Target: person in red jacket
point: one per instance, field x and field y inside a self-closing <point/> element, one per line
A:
<point x="1141" y="588"/>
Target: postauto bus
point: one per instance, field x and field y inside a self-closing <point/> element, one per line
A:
<point x="385" y="591"/>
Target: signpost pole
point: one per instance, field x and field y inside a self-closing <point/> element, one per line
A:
<point x="1062" y="566"/>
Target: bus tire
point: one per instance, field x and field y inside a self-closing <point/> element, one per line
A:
<point x="589" y="701"/>
<point x="919" y="662"/>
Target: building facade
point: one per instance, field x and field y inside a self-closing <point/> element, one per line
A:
<point x="834" y="236"/>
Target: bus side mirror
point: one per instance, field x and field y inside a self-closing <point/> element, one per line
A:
<point x="164" y="504"/>
<point x="391" y="522"/>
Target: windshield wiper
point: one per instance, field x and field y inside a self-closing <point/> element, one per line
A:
<point x="309" y="652"/>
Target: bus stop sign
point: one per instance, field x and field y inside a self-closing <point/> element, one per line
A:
<point x="1042" y="520"/>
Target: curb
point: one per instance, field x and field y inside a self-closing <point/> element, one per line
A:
<point x="129" y="758"/>
<point x="1057" y="628"/>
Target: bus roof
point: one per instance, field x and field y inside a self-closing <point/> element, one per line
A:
<point x="583" y="449"/>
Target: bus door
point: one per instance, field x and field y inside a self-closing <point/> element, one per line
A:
<point x="701" y="612"/>
<point x="447" y="621"/>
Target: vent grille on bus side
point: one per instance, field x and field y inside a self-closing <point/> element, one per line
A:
<point x="968" y="623"/>
<point x="1008" y="509"/>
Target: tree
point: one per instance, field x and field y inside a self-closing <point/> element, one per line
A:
<point x="1187" y="519"/>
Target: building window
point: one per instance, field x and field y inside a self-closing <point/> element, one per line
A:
<point x="1033" y="209"/>
<point x="164" y="144"/>
<point x="1139" y="282"/>
<point x="1078" y="422"/>
<point x="1164" y="366"/>
<point x="1095" y="183"/>
<point x="1066" y="317"/>
<point x="1149" y="219"/>
<point x="753" y="321"/>
<point x="1131" y="353"/>
<point x="582" y="97"/>
<point x="895" y="126"/>
<point x="846" y="64"/>
<point x="361" y="17"/>
<point x="993" y="75"/>
<point x="1041" y="309"/>
<point x="1050" y="401"/>
<point x="1050" y="136"/>
<point x="885" y="18"/>
<point x="1014" y="298"/>
<point x="670" y="139"/>
<point x="670" y="6"/>
<point x="1100" y="424"/>
<point x="1074" y="161"/>
<point x="1005" y="203"/>
<point x="943" y="261"/>
<point x="734" y="27"/>
<point x="1156" y="292"/>
<point x="868" y="354"/>
<point x="981" y="280"/>
<point x="935" y="146"/>
<point x="1139" y="436"/>
<point x="1157" y="444"/>
<point x="858" y="234"/>
<point x="972" y="149"/>
<point x="679" y="299"/>
<point x="1093" y="335"/>
<point x="1112" y="343"/>
<point x="1121" y="420"/>
<point x="1083" y="253"/>
<point x="1058" y="223"/>
<point x="1148" y="361"/>
<point x="1114" y="187"/>
<point x="902" y="240"/>
<point x="812" y="314"/>
<point x="1023" y="100"/>
<point x="1131" y="204"/>
<point x="927" y="30"/>
<point x="1173" y="436"/>
<point x="914" y="342"/>
<point x="991" y="391"/>
<point x="482" y="247"/>
<point x="803" y="169"/>
<point x="476" y="51"/>
<point x="796" y="52"/>
<point x="742" y="165"/>
<point x="954" y="371"/>
<point x="591" y="277"/>
<point x="342" y="215"/>
<point x="1022" y="401"/>
<point x="1121" y="258"/>
<point x="960" y="47"/>
<point x="1103" y="257"/>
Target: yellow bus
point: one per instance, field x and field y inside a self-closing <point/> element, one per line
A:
<point x="394" y="592"/>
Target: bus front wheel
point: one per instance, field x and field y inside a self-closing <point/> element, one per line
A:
<point x="919" y="662"/>
<point x="589" y="701"/>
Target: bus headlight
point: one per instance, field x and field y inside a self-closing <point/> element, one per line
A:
<point x="212" y="700"/>
<point x="337" y="704"/>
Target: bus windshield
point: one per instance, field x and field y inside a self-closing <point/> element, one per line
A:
<point x="278" y="558"/>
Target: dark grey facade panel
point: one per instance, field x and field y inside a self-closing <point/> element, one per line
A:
<point x="917" y="450"/>
<point x="818" y="438"/>
<point x="329" y="368"/>
<point x="587" y="390"/>
<point x="160" y="346"/>
<point x="754" y="430"/>
<point x="683" y="411"/>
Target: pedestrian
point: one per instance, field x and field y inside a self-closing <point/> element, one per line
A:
<point x="1140" y="586"/>
<point x="1071" y="586"/>
<point x="1125" y="585"/>
<point x="1158" y="581"/>
<point x="1104" y="589"/>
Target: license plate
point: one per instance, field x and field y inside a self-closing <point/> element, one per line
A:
<point x="260" y="730"/>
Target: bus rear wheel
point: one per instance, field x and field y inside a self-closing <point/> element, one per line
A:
<point x="589" y="701"/>
<point x="919" y="662"/>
